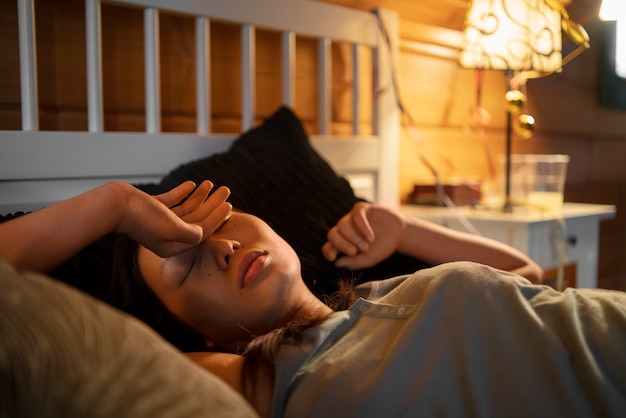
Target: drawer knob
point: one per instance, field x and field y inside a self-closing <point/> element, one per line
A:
<point x="572" y="240"/>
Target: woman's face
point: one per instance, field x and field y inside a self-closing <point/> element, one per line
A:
<point x="243" y="281"/>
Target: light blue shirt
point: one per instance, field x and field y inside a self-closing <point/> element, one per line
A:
<point x="461" y="339"/>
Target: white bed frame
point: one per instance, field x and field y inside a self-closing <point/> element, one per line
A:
<point x="39" y="167"/>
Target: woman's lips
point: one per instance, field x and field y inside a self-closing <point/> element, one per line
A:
<point x="250" y="266"/>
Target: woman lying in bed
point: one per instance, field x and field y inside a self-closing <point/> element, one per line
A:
<point x="459" y="339"/>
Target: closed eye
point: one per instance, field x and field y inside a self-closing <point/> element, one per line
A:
<point x="192" y="263"/>
<point x="221" y="225"/>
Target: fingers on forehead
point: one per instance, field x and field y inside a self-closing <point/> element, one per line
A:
<point x="217" y="216"/>
<point x="221" y="192"/>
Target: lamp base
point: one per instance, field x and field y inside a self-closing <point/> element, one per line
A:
<point x="508" y="207"/>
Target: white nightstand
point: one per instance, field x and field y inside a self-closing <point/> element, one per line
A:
<point x="533" y="233"/>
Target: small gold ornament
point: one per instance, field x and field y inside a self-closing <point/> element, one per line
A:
<point x="526" y="126"/>
<point x="515" y="100"/>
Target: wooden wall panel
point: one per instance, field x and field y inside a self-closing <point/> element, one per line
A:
<point x="9" y="69"/>
<point x="608" y="162"/>
<point x="122" y="72"/>
<point x="610" y="124"/>
<point x="178" y="63"/>
<point x="268" y="81"/>
<point x="10" y="114"/>
<point x="306" y="90"/>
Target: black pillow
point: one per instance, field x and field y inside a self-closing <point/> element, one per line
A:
<point x="274" y="173"/>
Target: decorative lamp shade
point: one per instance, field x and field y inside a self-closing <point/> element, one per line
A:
<point x="512" y="35"/>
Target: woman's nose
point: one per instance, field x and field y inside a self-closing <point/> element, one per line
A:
<point x="223" y="250"/>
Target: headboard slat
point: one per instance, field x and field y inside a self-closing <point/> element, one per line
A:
<point x="152" y="69"/>
<point x="288" y="51"/>
<point x="28" y="65"/>
<point x="248" y="65"/>
<point x="324" y="83"/>
<point x="386" y="118"/>
<point x="203" y="76"/>
<point x="93" y="25"/>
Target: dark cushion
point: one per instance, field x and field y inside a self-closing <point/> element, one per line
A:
<point x="274" y="173"/>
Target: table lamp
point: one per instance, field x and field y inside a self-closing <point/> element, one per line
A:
<point x="523" y="39"/>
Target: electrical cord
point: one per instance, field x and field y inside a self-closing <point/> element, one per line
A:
<point x="442" y="197"/>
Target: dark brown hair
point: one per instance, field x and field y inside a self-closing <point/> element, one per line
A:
<point x="129" y="292"/>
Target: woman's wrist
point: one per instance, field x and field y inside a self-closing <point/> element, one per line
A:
<point x="406" y="241"/>
<point x="117" y="196"/>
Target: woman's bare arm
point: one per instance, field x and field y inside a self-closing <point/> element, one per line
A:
<point x="370" y="233"/>
<point x="44" y="239"/>
<point x="436" y="244"/>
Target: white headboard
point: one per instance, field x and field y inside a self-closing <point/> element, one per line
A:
<point x="38" y="167"/>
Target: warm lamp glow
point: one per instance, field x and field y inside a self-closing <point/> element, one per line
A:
<point x="610" y="10"/>
<point x="512" y="35"/>
<point x="520" y="37"/>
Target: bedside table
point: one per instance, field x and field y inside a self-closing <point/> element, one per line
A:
<point x="533" y="233"/>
